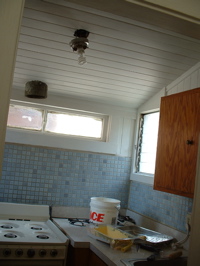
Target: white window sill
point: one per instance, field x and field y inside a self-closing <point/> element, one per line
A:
<point x="143" y="178"/>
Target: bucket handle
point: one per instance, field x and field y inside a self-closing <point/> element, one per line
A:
<point x="118" y="208"/>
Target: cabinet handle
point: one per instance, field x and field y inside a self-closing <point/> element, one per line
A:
<point x="189" y="142"/>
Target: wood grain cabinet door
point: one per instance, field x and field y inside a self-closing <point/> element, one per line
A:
<point x="177" y="147"/>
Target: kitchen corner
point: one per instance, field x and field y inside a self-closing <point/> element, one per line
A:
<point x="79" y="238"/>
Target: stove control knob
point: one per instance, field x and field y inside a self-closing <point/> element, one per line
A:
<point x="42" y="252"/>
<point x="6" y="252"/>
<point x="31" y="253"/>
<point x="54" y="252"/>
<point x="19" y="252"/>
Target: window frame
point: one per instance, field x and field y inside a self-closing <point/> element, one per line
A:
<point x="139" y="176"/>
<point x="45" y="109"/>
<point x="140" y="141"/>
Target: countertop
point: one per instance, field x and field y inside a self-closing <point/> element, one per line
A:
<point x="79" y="238"/>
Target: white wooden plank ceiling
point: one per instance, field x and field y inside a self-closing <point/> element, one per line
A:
<point x="127" y="61"/>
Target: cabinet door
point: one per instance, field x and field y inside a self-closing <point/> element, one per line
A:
<point x="94" y="260"/>
<point x="83" y="257"/>
<point x="77" y="256"/>
<point x="179" y="129"/>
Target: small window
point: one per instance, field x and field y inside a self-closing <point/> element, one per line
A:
<point x="74" y="124"/>
<point x="147" y="143"/>
<point x="25" y="117"/>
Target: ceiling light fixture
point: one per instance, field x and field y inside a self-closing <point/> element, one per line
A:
<point x="79" y="44"/>
<point x="36" y="89"/>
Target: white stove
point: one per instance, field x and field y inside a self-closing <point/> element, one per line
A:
<point x="29" y="237"/>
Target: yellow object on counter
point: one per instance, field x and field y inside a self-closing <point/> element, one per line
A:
<point x="142" y="237"/>
<point x="123" y="245"/>
<point x="117" y="238"/>
<point x="111" y="232"/>
<point x="126" y="248"/>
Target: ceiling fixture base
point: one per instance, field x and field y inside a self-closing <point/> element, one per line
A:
<point x="79" y="44"/>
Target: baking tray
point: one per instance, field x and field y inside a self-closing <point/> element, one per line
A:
<point x="108" y="233"/>
<point x="152" y="237"/>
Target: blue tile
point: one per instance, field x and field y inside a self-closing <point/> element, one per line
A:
<point x="163" y="207"/>
<point x="58" y="177"/>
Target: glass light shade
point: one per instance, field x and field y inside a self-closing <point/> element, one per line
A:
<point x="81" y="57"/>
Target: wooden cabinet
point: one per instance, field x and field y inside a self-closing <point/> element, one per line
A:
<point x="83" y="257"/>
<point x="177" y="147"/>
<point x="95" y="260"/>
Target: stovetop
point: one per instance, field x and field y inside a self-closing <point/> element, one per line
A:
<point x="79" y="221"/>
<point x="16" y="231"/>
<point x="26" y="223"/>
<point x="28" y="233"/>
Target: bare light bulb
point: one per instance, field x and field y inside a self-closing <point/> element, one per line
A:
<point x="81" y="57"/>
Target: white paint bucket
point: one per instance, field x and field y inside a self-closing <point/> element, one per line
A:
<point x="104" y="210"/>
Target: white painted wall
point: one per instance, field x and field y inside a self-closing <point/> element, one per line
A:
<point x="10" y="21"/>
<point x="178" y="7"/>
<point x="189" y="80"/>
<point x="121" y="127"/>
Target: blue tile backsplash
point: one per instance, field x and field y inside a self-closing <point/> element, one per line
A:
<point x="59" y="177"/>
<point x="39" y="175"/>
<point x="166" y="208"/>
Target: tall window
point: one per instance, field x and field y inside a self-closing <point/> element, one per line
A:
<point x="147" y="143"/>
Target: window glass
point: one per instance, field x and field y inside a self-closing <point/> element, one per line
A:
<point x="25" y="117"/>
<point x="147" y="143"/>
<point x="74" y="124"/>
